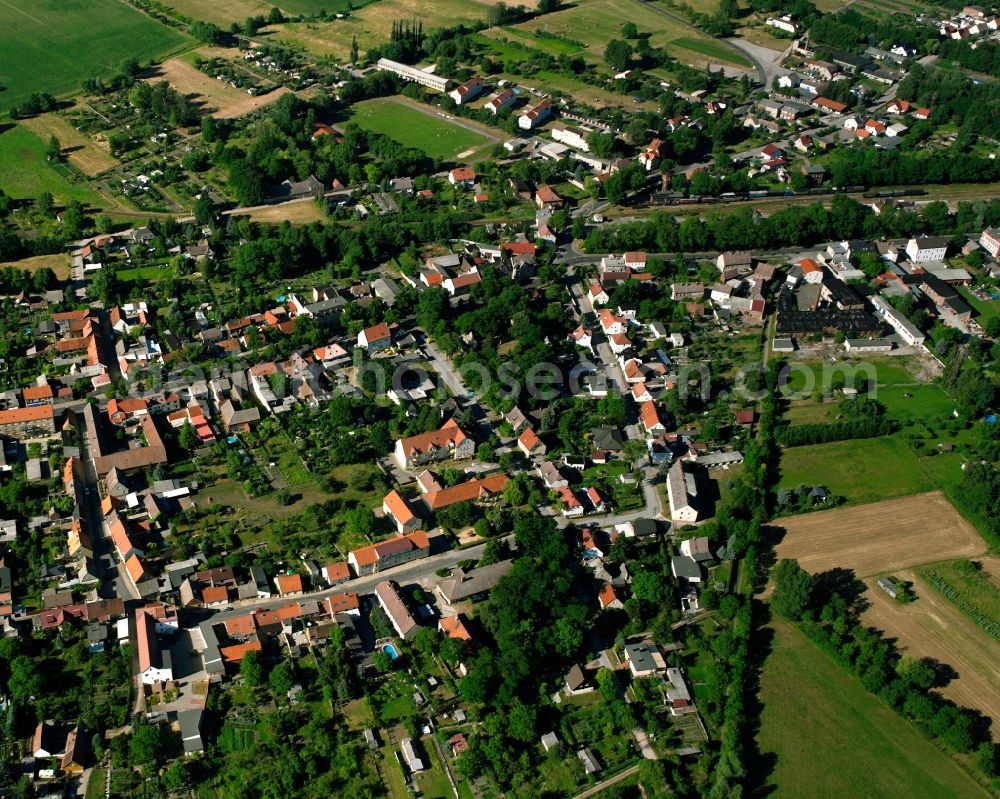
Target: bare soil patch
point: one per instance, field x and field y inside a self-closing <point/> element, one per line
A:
<point x="932" y="627"/>
<point x="298" y="212"/>
<point x="880" y="536"/>
<point x="58" y="263"/>
<point x="218" y="99"/>
<point x="89" y="156"/>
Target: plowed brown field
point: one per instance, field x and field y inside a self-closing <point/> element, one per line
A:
<point x="879" y="537"/>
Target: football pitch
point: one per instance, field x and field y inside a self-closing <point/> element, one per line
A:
<point x="415" y="128"/>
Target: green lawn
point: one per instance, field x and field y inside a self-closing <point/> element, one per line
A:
<point x="710" y="48"/>
<point x="25" y="172"/>
<point x="142" y="274"/>
<point x="831" y="738"/>
<point x="866" y="470"/>
<point x="425" y="131"/>
<point x="984" y="308"/>
<point x="52" y="45"/>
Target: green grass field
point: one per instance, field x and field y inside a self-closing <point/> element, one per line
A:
<point x="425" y="131"/>
<point x="831" y="738"/>
<point x="710" y="48"/>
<point x="61" y="42"/>
<point x="985" y="309"/>
<point x="862" y="471"/>
<point x="595" y="22"/>
<point x="25" y="172"/>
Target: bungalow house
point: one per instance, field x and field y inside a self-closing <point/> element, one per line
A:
<point x="448" y="441"/>
<point x="577" y="681"/>
<point x="472" y="585"/>
<point x="395" y="507"/>
<point x="530" y="444"/>
<point x="375" y="338"/>
<point x="516" y="419"/>
<point x="644" y="659"/>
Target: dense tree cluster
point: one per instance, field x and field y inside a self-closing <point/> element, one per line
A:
<point x="538" y="595"/>
<point x="860" y="418"/>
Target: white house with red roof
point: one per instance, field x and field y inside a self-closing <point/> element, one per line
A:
<point x="530" y="444"/>
<point x="375" y="338"/>
<point x="468" y="91"/>
<point x="636" y="261"/>
<point x="582" y="337"/>
<point x="462" y="176"/>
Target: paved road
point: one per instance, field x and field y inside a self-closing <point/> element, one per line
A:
<point x="407" y="573"/>
<point x="603" y="351"/>
<point x="444" y="367"/>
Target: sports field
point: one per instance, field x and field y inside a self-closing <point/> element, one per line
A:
<point x="829" y="738"/>
<point x="52" y="45"/>
<point x="25" y="173"/>
<point x="423" y="130"/>
<point x="864" y="470"/>
<point x="932" y="627"/>
<point x="81" y="151"/>
<point x="879" y="537"/>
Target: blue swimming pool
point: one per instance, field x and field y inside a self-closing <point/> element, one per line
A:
<point x="390" y="650"/>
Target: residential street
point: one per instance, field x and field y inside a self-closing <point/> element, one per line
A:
<point x="444" y="367"/>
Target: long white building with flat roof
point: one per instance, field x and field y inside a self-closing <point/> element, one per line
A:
<point x="415" y="75"/>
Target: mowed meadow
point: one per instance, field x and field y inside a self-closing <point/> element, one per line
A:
<point x="823" y="736"/>
<point x="53" y="45"/>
